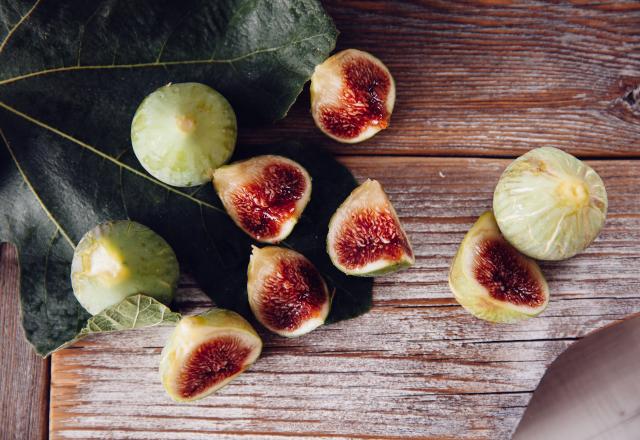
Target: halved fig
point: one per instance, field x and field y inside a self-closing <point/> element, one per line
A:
<point x="264" y="195"/>
<point x="492" y="280"/>
<point x="365" y="236"/>
<point x="286" y="292"/>
<point x="352" y="96"/>
<point x="205" y="352"/>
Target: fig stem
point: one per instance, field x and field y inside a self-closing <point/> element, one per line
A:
<point x="574" y="193"/>
<point x="185" y="123"/>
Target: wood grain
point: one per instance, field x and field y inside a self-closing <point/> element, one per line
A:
<point x="416" y="366"/>
<point x="493" y="77"/>
<point x="476" y="78"/>
<point x="24" y="376"/>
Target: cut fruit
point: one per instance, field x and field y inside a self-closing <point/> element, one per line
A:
<point x="365" y="236"/>
<point x="352" y="96"/>
<point x="205" y="352"/>
<point x="264" y="195"/>
<point x="549" y="204"/>
<point x="286" y="292"/>
<point x="492" y="280"/>
<point x="121" y="258"/>
<point x="182" y="132"/>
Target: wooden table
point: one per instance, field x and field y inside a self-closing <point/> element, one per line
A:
<point x="478" y="83"/>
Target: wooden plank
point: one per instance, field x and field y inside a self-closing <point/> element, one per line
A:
<point x="416" y="366"/>
<point x="493" y="78"/>
<point x="24" y="377"/>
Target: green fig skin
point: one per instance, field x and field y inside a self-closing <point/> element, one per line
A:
<point x="550" y="205"/>
<point x="121" y="258"/>
<point x="182" y="132"/>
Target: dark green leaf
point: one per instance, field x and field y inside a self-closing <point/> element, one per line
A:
<point x="74" y="63"/>
<point x="71" y="76"/>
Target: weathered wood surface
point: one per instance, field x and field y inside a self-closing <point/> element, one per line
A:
<point x="24" y="377"/>
<point x="494" y="77"/>
<point x="476" y="78"/>
<point x="416" y="366"/>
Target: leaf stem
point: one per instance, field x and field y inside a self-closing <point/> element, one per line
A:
<point x="229" y="61"/>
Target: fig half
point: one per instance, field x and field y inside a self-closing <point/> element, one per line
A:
<point x="365" y="236"/>
<point x="352" y="96"/>
<point x="264" y="195"/>
<point x="205" y="352"/>
<point x="286" y="292"/>
<point x="492" y="280"/>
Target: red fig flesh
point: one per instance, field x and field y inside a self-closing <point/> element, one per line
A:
<point x="492" y="280"/>
<point x="205" y="352"/>
<point x="286" y="292"/>
<point x="352" y="96"/>
<point x="264" y="195"/>
<point x="210" y="364"/>
<point x="365" y="236"/>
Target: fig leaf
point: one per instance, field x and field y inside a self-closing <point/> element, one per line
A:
<point x="134" y="312"/>
<point x="76" y="65"/>
<point x="71" y="77"/>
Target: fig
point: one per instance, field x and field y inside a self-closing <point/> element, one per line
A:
<point x="492" y="280"/>
<point x="352" y="96"/>
<point x="550" y="205"/>
<point x="365" y="236"/>
<point x="286" y="292"/>
<point x="205" y="352"/>
<point x="182" y="132"/>
<point x="121" y="258"/>
<point x="264" y="195"/>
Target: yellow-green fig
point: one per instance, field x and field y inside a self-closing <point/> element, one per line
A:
<point x="492" y="280"/>
<point x="182" y="132"/>
<point x="121" y="258"/>
<point x="205" y="352"/>
<point x="550" y="205"/>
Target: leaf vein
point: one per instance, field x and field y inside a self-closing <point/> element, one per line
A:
<point x="99" y="153"/>
<point x="124" y="202"/>
<point x="33" y="190"/>
<point x="135" y="318"/>
<point x="17" y="25"/>
<point x="164" y="44"/>
<point x="164" y="64"/>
